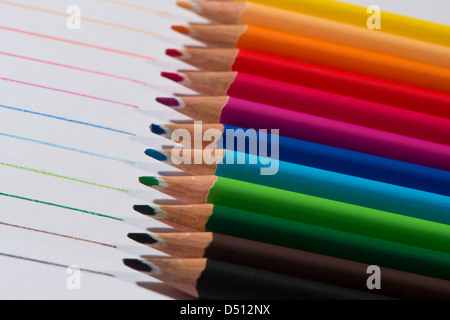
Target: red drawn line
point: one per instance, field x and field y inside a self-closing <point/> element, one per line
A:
<point x="71" y="67"/>
<point x="78" y="43"/>
<point x="57" y="234"/>
<point x="70" y="92"/>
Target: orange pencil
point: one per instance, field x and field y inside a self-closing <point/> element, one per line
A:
<point x="248" y="13"/>
<point x="322" y="53"/>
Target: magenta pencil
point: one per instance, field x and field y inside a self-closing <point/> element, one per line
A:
<point x="320" y="103"/>
<point x="253" y="115"/>
<point x="341" y="107"/>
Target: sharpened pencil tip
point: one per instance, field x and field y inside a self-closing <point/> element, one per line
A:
<point x="143" y="238"/>
<point x="155" y="154"/>
<point x="174" y="53"/>
<point x="145" y="210"/>
<point x="173" y="76"/>
<point x="181" y="29"/>
<point x="168" y="102"/>
<point x="137" y="265"/>
<point x="149" y="181"/>
<point x="184" y="5"/>
<point x="157" y="129"/>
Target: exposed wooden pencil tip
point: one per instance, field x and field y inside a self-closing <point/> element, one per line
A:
<point x="181" y="29"/>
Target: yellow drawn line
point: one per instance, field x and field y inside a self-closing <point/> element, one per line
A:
<point x="19" y="5"/>
<point x="164" y="13"/>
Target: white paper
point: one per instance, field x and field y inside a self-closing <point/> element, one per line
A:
<point x="75" y="110"/>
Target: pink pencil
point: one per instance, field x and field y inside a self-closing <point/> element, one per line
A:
<point x="252" y="115"/>
<point x="320" y="103"/>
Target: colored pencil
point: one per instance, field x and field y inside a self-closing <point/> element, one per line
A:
<point x="244" y="90"/>
<point x="357" y="15"/>
<point x="304" y="208"/>
<point x="218" y="280"/>
<point x="247" y="13"/>
<point x="330" y="132"/>
<point x="332" y="159"/>
<point x="318" y="183"/>
<point x="318" y="52"/>
<point x="307" y="237"/>
<point x="296" y="263"/>
<point x="313" y="76"/>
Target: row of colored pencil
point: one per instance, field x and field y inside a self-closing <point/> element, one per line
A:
<point x="358" y="124"/>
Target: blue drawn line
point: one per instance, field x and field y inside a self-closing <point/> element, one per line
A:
<point x="66" y="148"/>
<point x="68" y="120"/>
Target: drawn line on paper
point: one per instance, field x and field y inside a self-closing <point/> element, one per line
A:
<point x="58" y="206"/>
<point x="60" y="177"/>
<point x="92" y="46"/>
<point x="67" y="120"/>
<point x="134" y="6"/>
<point x="57" y="235"/>
<point x="70" y="92"/>
<point x="66" y="15"/>
<point x="73" y="68"/>
<point x="53" y="264"/>
<point x="66" y="148"/>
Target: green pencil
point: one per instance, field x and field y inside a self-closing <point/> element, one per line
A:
<point x="301" y="236"/>
<point x="305" y="209"/>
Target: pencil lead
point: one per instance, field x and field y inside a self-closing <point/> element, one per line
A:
<point x="176" y="77"/>
<point x="152" y="211"/>
<point x="143" y="238"/>
<point x="137" y="265"/>
<point x="181" y="29"/>
<point x="160" y="130"/>
<point x="184" y="4"/>
<point x="150" y="181"/>
<point x="171" y="102"/>
<point x="145" y="210"/>
<point x="174" y="53"/>
<point x="157" y="155"/>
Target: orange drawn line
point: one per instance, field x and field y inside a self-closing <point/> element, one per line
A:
<point x="81" y="18"/>
<point x="130" y="5"/>
<point x="78" y="43"/>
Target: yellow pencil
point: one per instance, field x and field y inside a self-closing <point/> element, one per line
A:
<point x="247" y="13"/>
<point x="359" y="16"/>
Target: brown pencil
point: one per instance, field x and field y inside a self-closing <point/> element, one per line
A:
<point x="300" y="236"/>
<point x="296" y="263"/>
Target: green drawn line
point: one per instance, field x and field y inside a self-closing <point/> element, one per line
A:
<point x="58" y="206"/>
<point x="61" y="177"/>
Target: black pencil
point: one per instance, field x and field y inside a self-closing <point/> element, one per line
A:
<point x="217" y="280"/>
<point x="295" y="263"/>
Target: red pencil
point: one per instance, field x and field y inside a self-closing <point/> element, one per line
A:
<point x="318" y="103"/>
<point x="313" y="76"/>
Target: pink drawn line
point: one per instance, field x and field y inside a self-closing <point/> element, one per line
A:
<point x="70" y="92"/>
<point x="71" y="67"/>
<point x="78" y="43"/>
